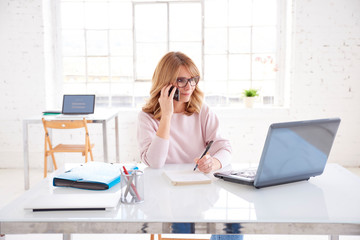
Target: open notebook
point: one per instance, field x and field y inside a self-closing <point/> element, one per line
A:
<point x="186" y="177"/>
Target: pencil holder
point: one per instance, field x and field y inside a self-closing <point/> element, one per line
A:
<point x="132" y="187"/>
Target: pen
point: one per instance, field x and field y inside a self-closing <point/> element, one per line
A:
<point x="132" y="185"/>
<point x="206" y="150"/>
<point x="128" y="186"/>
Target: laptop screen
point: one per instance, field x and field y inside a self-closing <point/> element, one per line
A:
<point x="78" y="104"/>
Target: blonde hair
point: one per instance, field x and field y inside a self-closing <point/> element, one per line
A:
<point x="166" y="72"/>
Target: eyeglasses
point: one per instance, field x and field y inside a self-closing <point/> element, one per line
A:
<point x="182" y="82"/>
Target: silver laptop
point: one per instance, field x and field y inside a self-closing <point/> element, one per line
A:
<point x="293" y="151"/>
<point x="77" y="106"/>
<point x="72" y="199"/>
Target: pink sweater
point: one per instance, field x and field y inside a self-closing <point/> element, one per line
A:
<point x="188" y="138"/>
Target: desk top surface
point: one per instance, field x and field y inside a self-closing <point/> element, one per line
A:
<point x="332" y="197"/>
<point x="100" y="114"/>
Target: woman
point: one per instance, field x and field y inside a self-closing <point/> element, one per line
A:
<point x="177" y="131"/>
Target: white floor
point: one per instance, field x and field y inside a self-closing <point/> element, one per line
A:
<point x="12" y="185"/>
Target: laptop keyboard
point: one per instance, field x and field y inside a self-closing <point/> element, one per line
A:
<point x="247" y="173"/>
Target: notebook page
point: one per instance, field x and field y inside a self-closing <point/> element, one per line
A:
<point x="186" y="177"/>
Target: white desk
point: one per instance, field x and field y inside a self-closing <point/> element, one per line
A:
<point x="102" y="116"/>
<point x="324" y="205"/>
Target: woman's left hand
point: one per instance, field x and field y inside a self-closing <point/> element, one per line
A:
<point x="207" y="164"/>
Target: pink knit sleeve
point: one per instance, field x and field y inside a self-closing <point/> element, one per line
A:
<point x="153" y="149"/>
<point x="221" y="148"/>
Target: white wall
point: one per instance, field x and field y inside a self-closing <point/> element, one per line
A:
<point x="325" y="82"/>
<point x="22" y="88"/>
<point x="326" y="69"/>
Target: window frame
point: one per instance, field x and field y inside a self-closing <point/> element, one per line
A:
<point x="282" y="51"/>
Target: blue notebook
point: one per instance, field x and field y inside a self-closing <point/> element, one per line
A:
<point x="91" y="175"/>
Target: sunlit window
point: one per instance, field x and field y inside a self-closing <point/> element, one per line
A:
<point x="111" y="48"/>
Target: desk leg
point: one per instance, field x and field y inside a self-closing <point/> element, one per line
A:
<point x="105" y="145"/>
<point x="26" y="155"/>
<point x="66" y="236"/>
<point x="333" y="237"/>
<point x="117" y="147"/>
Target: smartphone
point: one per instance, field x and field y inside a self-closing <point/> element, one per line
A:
<point x="177" y="93"/>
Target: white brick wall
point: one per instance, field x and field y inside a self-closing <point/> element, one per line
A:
<point x="21" y="73"/>
<point x="326" y="70"/>
<point x="325" y="82"/>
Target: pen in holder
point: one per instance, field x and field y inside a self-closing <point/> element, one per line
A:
<point x="132" y="186"/>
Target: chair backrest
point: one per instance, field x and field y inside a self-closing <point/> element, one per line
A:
<point x="65" y="124"/>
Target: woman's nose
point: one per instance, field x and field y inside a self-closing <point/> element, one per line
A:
<point x="188" y="86"/>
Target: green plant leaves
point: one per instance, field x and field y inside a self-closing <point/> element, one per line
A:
<point x="250" y="92"/>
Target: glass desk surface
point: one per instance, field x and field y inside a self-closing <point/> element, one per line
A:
<point x="331" y="198"/>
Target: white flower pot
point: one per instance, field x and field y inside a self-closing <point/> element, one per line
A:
<point x="249" y="102"/>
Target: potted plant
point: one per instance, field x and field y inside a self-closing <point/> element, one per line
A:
<point x="249" y="96"/>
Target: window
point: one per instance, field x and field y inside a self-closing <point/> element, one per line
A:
<point x="111" y="48"/>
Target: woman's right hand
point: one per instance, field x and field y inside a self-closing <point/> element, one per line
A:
<point x="166" y="101"/>
<point x="167" y="110"/>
